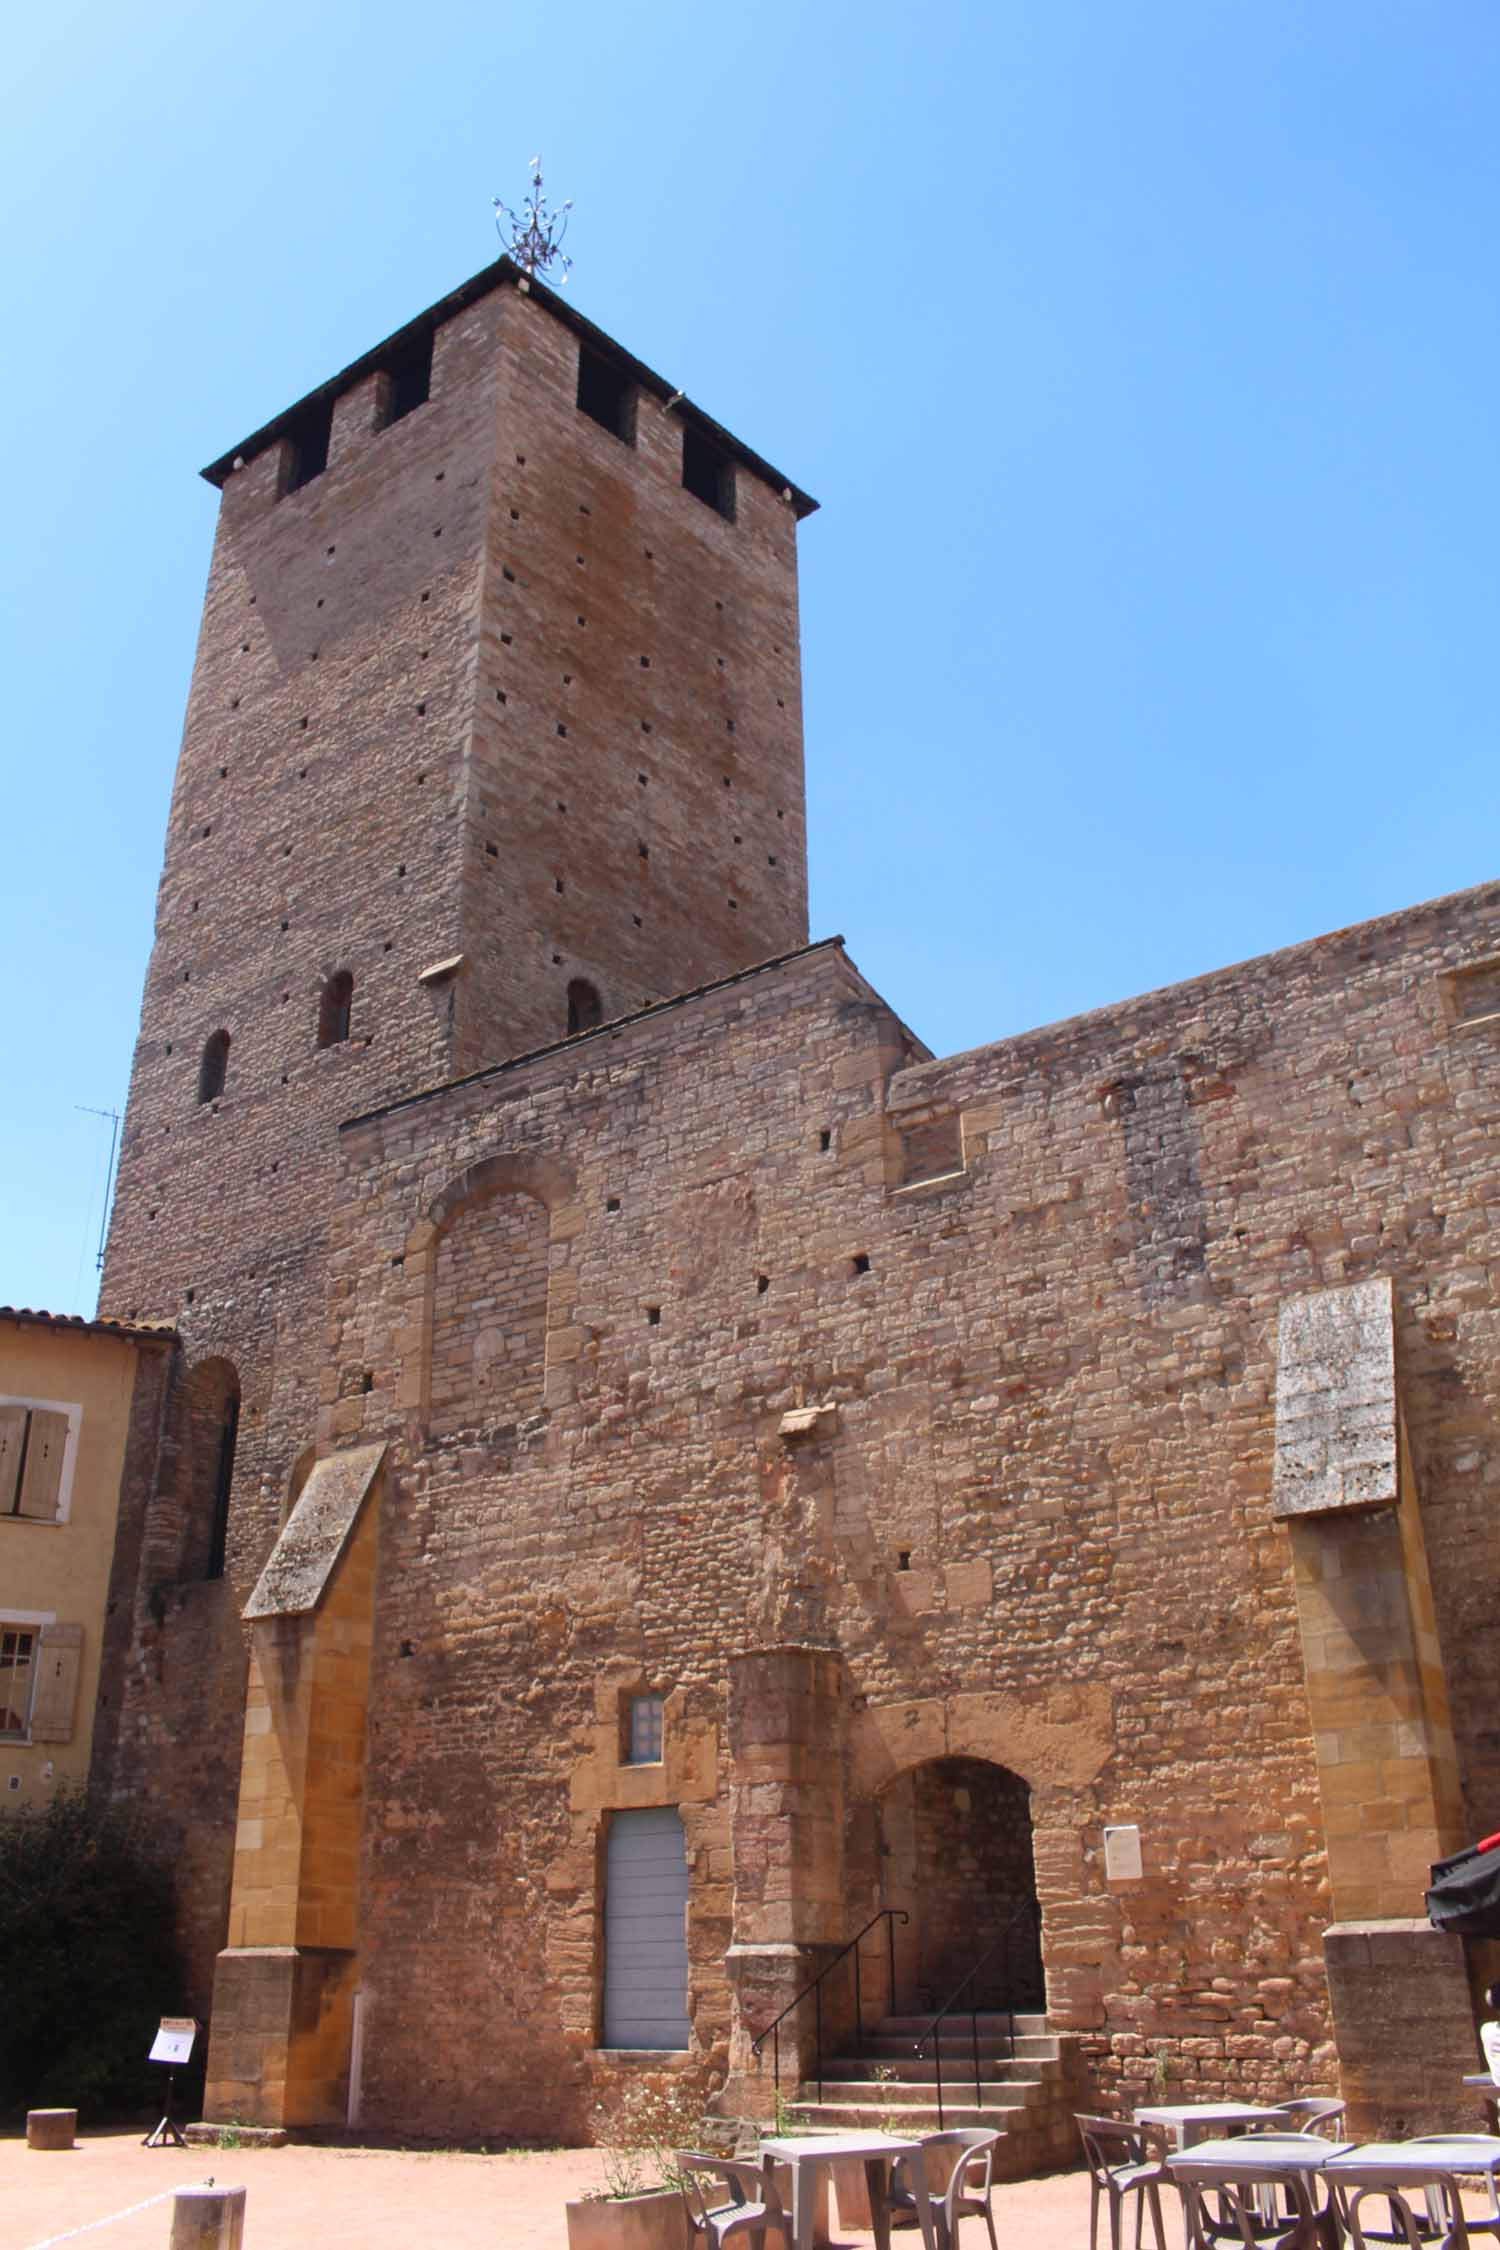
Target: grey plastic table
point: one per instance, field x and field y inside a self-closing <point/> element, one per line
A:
<point x="879" y="2151"/>
<point x="1436" y="2154"/>
<point x="1196" y="2121"/>
<point x="1261" y="2162"/>
<point x="1432" y="2165"/>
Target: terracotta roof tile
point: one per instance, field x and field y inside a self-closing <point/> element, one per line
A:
<point x="139" y="1331"/>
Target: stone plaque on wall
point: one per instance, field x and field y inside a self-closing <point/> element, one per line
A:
<point x="1336" y="1420"/>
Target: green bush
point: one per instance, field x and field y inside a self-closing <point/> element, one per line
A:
<point x="88" y="1960"/>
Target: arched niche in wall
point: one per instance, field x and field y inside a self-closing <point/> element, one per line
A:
<point x="208" y="1432"/>
<point x="488" y="1269"/>
<point x="585" y="1008"/>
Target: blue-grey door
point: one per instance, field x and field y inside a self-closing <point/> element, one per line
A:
<point x="645" y="1931"/>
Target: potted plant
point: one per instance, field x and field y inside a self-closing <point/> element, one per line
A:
<point x="640" y="2206"/>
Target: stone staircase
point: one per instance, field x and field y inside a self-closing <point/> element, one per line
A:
<point x="1028" y="2094"/>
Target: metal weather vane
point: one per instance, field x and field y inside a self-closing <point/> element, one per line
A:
<point x="535" y="233"/>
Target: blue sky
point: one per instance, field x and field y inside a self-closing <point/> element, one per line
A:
<point x="1143" y="357"/>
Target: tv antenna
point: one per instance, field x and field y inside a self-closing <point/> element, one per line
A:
<point x="535" y="236"/>
<point x="109" y="1172"/>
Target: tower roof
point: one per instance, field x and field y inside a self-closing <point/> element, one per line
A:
<point x="505" y="273"/>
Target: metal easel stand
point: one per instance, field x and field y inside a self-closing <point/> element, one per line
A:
<point x="165" y="2134"/>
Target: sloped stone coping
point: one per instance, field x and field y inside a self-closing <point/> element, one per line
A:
<point x="315" y="1534"/>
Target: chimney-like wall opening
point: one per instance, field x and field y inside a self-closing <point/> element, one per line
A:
<point x="607" y="395"/>
<point x="334" y="1007"/>
<point x="408" y="375"/>
<point x="307" y="442"/>
<point x="707" y="471"/>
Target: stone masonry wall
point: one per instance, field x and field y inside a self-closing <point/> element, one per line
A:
<point x="1036" y="1521"/>
<point x="634" y="812"/>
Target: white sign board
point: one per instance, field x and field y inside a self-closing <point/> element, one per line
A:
<point x="1122" y="1855"/>
<point x="174" y="2039"/>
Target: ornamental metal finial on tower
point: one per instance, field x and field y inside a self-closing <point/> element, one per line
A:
<point x="535" y="239"/>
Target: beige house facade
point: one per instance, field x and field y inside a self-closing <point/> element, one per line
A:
<point x="79" y="1403"/>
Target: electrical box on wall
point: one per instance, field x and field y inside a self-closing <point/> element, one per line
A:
<point x="1122" y="1855"/>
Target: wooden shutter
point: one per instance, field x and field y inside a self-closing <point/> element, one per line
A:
<point x="645" y="1931"/>
<point x="12" y="1433"/>
<point x="56" y="1691"/>
<point x="41" y="1480"/>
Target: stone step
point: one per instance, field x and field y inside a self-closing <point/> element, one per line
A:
<point x="905" y="2070"/>
<point x="1027" y="2098"/>
<point x="893" y="2094"/>
<point x="860" y="2117"/>
<point x="1034" y="2045"/>
<point x="990" y="2025"/>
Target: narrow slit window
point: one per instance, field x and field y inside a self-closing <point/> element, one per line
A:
<point x="333" y="1009"/>
<point x="214" y="1067"/>
<point x="607" y="395"/>
<point x="643" y="1731"/>
<point x="707" y="472"/>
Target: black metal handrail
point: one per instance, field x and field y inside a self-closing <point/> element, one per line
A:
<point x="890" y="1915"/>
<point x="1028" y="1911"/>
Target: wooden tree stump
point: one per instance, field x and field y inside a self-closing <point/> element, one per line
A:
<point x="51" y="2128"/>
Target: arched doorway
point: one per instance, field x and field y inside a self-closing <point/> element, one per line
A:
<point x="955" y="1853"/>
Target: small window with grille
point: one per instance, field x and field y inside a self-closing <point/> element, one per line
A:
<point x="643" y="1730"/>
<point x="17" y="1669"/>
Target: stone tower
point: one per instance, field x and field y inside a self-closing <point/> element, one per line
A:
<point x="494" y="734"/>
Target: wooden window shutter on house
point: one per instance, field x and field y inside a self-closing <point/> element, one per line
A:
<point x="56" y="1691"/>
<point x="41" y="1480"/>
<point x="12" y="1447"/>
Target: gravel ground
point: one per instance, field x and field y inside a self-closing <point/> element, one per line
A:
<point x="354" y="2199"/>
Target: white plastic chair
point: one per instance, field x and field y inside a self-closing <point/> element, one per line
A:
<point x="1310" y="2112"/>
<point x="1119" y="2166"/>
<point x="1485" y="2141"/>
<point x="958" y="2166"/>
<point x="753" y="2205"/>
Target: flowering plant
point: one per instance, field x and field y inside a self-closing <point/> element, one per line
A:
<point x="641" y="2134"/>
